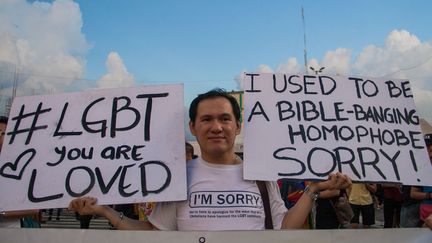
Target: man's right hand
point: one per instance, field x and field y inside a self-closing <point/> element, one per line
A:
<point x="87" y="206"/>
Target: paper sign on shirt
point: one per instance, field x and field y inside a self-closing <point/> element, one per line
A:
<point x="308" y="126"/>
<point x="118" y="145"/>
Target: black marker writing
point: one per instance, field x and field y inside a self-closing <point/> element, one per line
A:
<point x="148" y="111"/>
<point x="57" y="132"/>
<point x="122" y="151"/>
<point x="35" y="199"/>
<point x="251" y="88"/>
<point x="89" y="178"/>
<point x="395" y="92"/>
<point x="72" y="154"/>
<point x="35" y="115"/>
<point x="365" y="87"/>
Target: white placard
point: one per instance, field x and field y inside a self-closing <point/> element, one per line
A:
<point x="118" y="145"/>
<point x="307" y="126"/>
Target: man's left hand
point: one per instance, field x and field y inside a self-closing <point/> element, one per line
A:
<point x="334" y="182"/>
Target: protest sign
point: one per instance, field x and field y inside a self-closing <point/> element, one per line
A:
<point x="307" y="126"/>
<point x="118" y="145"/>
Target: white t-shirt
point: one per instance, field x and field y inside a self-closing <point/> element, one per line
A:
<point x="218" y="199"/>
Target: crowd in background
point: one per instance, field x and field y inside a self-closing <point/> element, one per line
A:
<point x="400" y="206"/>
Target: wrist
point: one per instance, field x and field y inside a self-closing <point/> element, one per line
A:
<point x="105" y="211"/>
<point x="427" y="196"/>
<point x="312" y="191"/>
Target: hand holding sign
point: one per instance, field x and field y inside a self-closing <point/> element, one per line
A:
<point x="89" y="206"/>
<point x="334" y="181"/>
<point x="86" y="206"/>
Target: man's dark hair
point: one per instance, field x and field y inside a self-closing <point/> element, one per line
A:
<point x="3" y="119"/>
<point x="214" y="93"/>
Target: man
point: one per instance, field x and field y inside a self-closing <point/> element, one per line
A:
<point x="218" y="197"/>
<point x="11" y="219"/>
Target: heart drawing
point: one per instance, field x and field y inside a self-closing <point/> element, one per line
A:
<point x="10" y="169"/>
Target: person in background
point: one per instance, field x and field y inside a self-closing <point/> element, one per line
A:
<point x="392" y="205"/>
<point x="12" y="219"/>
<point x="360" y="197"/>
<point x="424" y="193"/>
<point x="410" y="210"/>
<point x="189" y="151"/>
<point x="325" y="213"/>
<point x="379" y="197"/>
<point x="51" y="211"/>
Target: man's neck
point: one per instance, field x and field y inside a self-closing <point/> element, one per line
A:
<point x="226" y="159"/>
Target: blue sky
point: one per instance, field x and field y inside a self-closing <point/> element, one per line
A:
<point x="76" y="45"/>
<point x="207" y="43"/>
<point x="215" y="40"/>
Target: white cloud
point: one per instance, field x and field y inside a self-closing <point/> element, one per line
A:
<point x="263" y="68"/>
<point x="117" y="75"/>
<point x="44" y="42"/>
<point x="44" y="45"/>
<point x="401" y="41"/>
<point x="238" y="80"/>
<point x="292" y="66"/>
<point x="337" y="61"/>
<point x="403" y="56"/>
<point x="399" y="56"/>
<point x="423" y="99"/>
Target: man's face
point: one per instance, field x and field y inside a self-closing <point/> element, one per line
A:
<point x="2" y="135"/>
<point x="215" y="127"/>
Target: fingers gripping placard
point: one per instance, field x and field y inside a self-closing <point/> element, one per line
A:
<point x="306" y="126"/>
<point x="119" y="145"/>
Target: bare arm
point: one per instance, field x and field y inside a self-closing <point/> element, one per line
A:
<point x="371" y="187"/>
<point x="123" y="222"/>
<point x="416" y="193"/>
<point x="20" y="213"/>
<point x="87" y="206"/>
<point x="296" y="216"/>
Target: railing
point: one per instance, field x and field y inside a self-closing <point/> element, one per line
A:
<point x="420" y="235"/>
